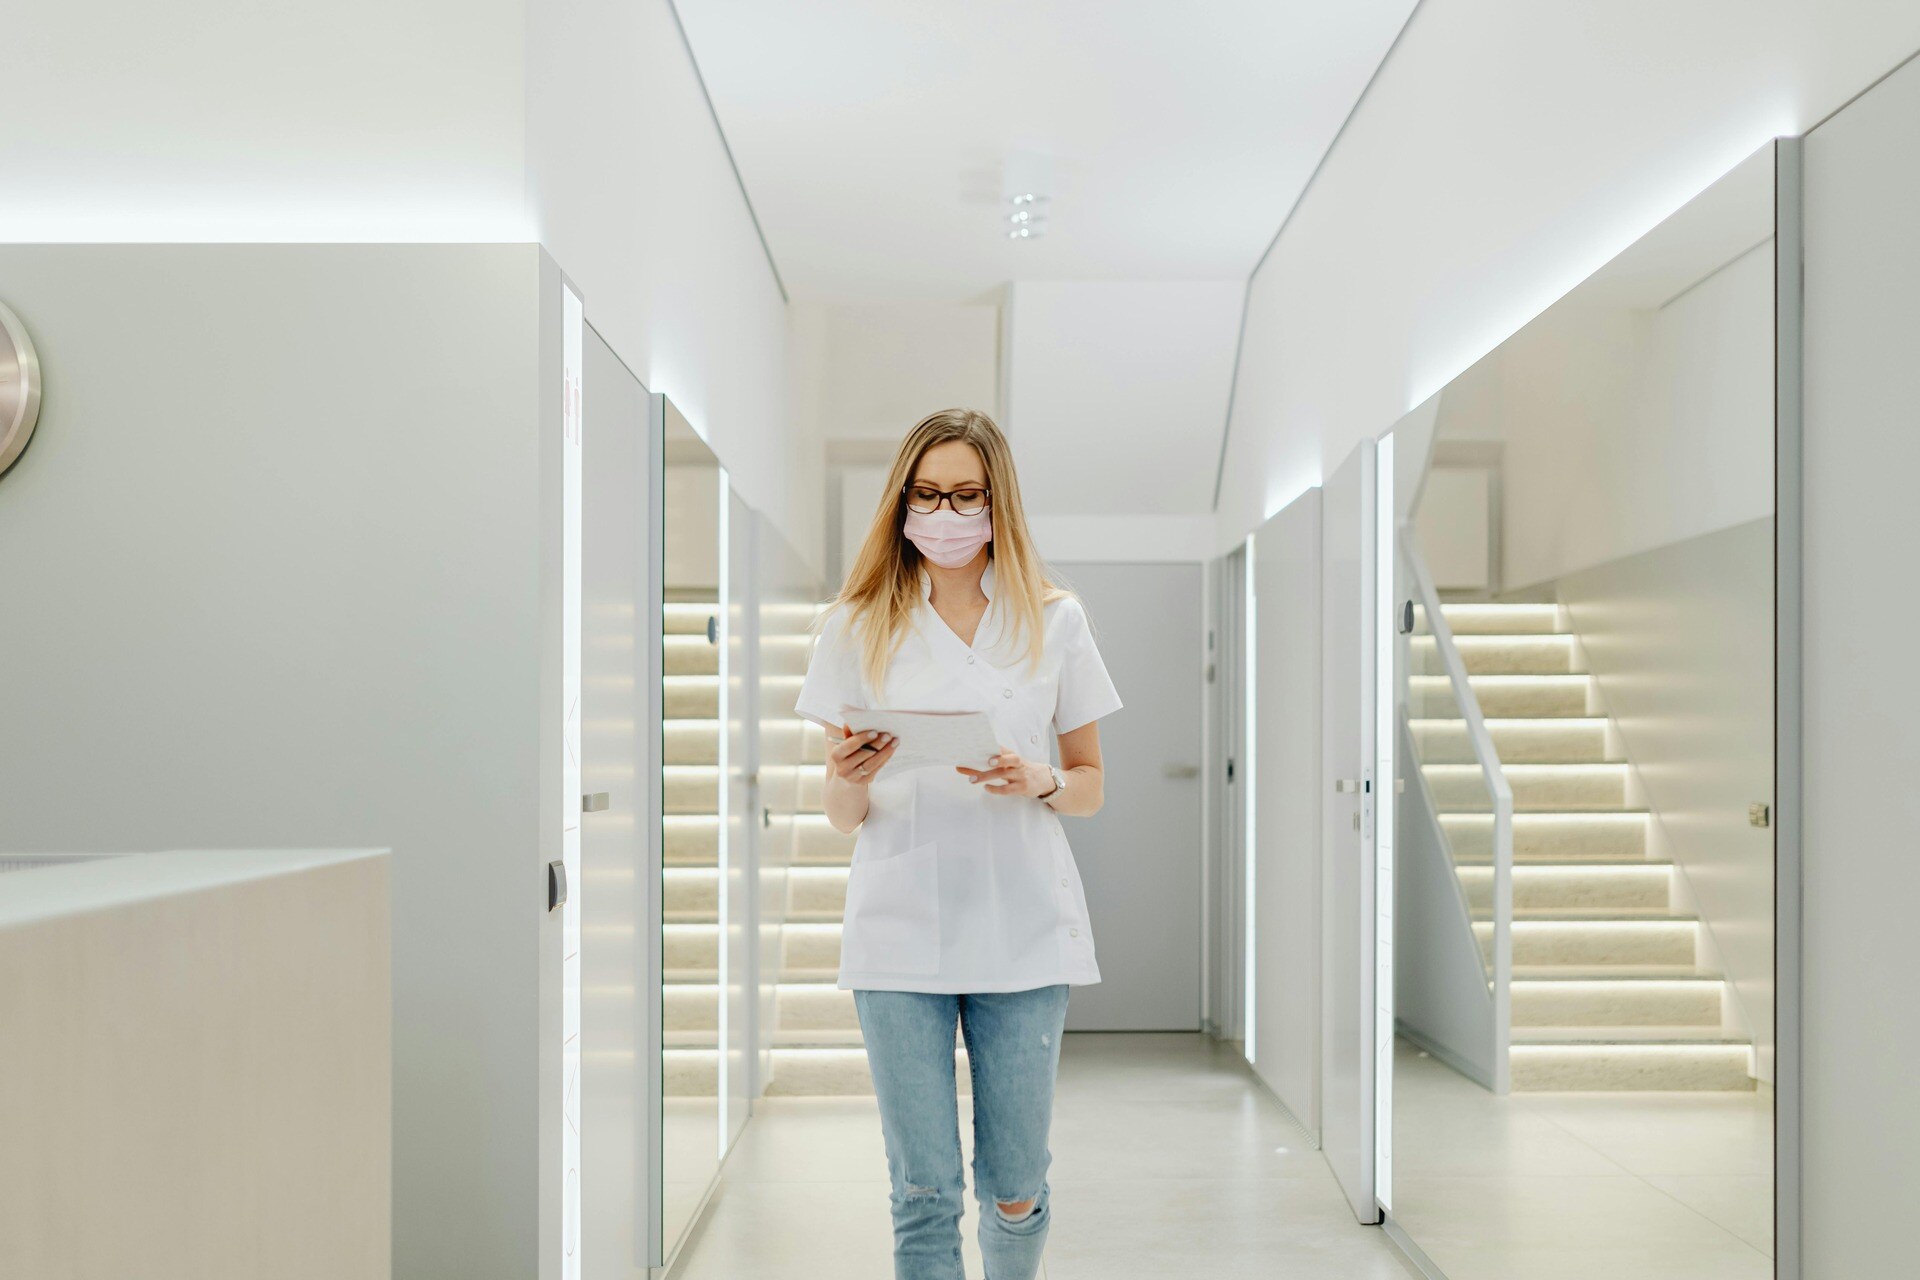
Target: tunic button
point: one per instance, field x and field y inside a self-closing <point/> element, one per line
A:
<point x="1006" y="693"/>
<point x="1033" y="738"/>
<point x="1063" y="884"/>
<point x="1074" y="932"/>
<point x="969" y="659"/>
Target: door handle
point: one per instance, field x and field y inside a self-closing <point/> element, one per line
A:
<point x="1344" y="785"/>
<point x="1182" y="771"/>
<point x="596" y="802"/>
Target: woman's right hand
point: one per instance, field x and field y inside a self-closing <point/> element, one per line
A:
<point x="857" y="757"/>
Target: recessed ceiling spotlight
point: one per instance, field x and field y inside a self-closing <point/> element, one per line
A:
<point x="1026" y="190"/>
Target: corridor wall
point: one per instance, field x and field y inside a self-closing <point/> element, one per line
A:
<point x="274" y="571"/>
<point x="1443" y="218"/>
<point x="1287" y="782"/>
<point x="1860" y="1121"/>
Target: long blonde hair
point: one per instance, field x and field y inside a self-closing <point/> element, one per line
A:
<point x="882" y="589"/>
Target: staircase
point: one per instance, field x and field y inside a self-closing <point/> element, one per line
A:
<point x="1609" y="990"/>
<point x="690" y="902"/>
<point x="817" y="1049"/>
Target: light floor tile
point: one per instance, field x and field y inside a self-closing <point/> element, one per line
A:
<point x="1573" y="1228"/>
<point x="1237" y="1229"/>
<point x="1572" y="1185"/>
<point x="1743" y="1205"/>
<point x="1246" y="1137"/>
<point x="1170" y="1160"/>
<point x="1669" y="1133"/>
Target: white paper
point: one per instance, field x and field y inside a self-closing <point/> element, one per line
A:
<point x="949" y="738"/>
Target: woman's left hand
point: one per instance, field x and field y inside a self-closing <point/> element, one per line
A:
<point x="1012" y="776"/>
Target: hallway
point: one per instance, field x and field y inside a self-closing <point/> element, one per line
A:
<point x="1169" y="1159"/>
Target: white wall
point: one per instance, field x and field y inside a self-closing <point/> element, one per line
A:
<point x="1862" y="316"/>
<point x="1506" y="150"/>
<point x="630" y="189"/>
<point x="1287" y="778"/>
<point x="358" y="120"/>
<point x="577" y="124"/>
<point x="274" y="560"/>
<point x="883" y="367"/>
<point x="1624" y="424"/>
<point x="1116" y="391"/>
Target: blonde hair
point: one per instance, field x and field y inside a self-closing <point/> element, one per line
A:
<point x="882" y="589"/>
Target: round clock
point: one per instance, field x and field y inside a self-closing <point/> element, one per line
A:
<point x="19" y="388"/>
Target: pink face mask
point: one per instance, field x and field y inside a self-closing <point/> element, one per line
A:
<point x="948" y="538"/>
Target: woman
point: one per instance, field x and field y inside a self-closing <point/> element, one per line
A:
<point x="964" y="906"/>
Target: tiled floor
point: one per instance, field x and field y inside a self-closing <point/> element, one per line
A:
<point x="1657" y="1186"/>
<point x="1169" y="1160"/>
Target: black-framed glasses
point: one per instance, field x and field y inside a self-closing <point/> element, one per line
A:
<point x="925" y="499"/>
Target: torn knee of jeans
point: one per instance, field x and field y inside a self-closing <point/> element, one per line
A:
<point x="914" y="1191"/>
<point x="1016" y="1210"/>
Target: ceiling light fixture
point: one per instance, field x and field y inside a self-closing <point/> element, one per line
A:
<point x="1026" y="192"/>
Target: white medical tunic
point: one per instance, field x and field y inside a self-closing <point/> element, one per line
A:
<point x="953" y="889"/>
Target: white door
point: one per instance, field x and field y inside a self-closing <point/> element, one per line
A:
<point x="1352" y="512"/>
<point x="621" y="749"/>
<point x="1140" y="855"/>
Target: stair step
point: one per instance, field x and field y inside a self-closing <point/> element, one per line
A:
<point x="690" y="697"/>
<point x="691" y="840"/>
<point x="1500" y="619"/>
<point x="690" y="894"/>
<point x="817" y="891"/>
<point x="1689" y="1065"/>
<point x="1609" y="885"/>
<point x="691" y="741"/>
<point x="1548" y="740"/>
<point x="810" y="946"/>
<point x="1597" y="941"/>
<point x="814" y="1007"/>
<point x="682" y="618"/>
<point x="1537" y="788"/>
<point x="1618" y="836"/>
<point x="1696" y="1003"/>
<point x="816" y="843"/>
<point x="684" y="655"/>
<point x="1497" y="654"/>
<point x="687" y="1072"/>
<point x="1509" y="697"/>
<point x="690" y="946"/>
<point x="691" y="1007"/>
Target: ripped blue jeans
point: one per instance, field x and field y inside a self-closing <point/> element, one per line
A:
<point x="1013" y="1048"/>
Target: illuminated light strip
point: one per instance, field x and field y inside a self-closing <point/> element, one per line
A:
<point x="572" y="345"/>
<point x="723" y="632"/>
<point x="1251" y="720"/>
<point x="1384" y="773"/>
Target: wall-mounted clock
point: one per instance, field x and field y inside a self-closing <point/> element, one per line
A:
<point x="19" y="388"/>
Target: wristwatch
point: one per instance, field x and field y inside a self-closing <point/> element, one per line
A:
<point x="1058" y="782"/>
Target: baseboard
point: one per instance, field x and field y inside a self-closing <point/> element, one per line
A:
<point x="1445" y="1055"/>
<point x="1412" y="1252"/>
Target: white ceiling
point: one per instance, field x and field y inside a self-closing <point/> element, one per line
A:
<point x="871" y="134"/>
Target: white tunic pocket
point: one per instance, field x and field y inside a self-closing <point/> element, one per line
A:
<point x="893" y="914"/>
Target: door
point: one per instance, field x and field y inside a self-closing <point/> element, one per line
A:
<point x="1140" y="855"/>
<point x="619" y="756"/>
<point x="1351" y="1048"/>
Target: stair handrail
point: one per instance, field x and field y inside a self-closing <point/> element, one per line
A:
<point x="1495" y="778"/>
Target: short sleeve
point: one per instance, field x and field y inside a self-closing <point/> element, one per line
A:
<point x="1086" y="690"/>
<point x="833" y="674"/>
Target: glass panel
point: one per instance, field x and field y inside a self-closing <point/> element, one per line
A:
<point x="1597" y="523"/>
<point x="691" y="839"/>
